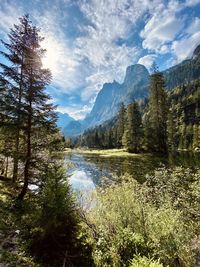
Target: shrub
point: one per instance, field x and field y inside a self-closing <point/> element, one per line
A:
<point x="129" y="221"/>
<point x="144" y="262"/>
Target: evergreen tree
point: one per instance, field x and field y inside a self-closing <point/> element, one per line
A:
<point x="157" y="114"/>
<point x="120" y="125"/>
<point x="196" y="136"/>
<point x="133" y="132"/>
<point x="189" y="136"/>
<point x="54" y="233"/>
<point x="182" y="131"/>
<point x="37" y="112"/>
<point x="24" y="108"/>
<point x="12" y="76"/>
<point x="171" y="128"/>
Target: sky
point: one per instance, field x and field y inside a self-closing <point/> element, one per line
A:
<point x="91" y="42"/>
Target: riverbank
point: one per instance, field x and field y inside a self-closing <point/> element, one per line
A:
<point x="105" y="152"/>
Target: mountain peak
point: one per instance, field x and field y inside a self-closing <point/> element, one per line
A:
<point x="135" y="74"/>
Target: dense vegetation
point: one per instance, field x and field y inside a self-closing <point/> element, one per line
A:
<point x="166" y="121"/>
<point x="124" y="223"/>
<point x="185" y="72"/>
<point x="152" y="221"/>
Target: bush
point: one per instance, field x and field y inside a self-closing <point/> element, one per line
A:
<point x="144" y="262"/>
<point x="129" y="221"/>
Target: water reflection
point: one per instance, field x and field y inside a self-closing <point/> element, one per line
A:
<point x="81" y="181"/>
<point x="88" y="170"/>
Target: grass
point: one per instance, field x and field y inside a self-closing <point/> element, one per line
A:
<point x="104" y="152"/>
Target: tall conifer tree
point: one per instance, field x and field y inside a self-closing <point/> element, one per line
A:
<point x="157" y="114"/>
<point x="133" y="131"/>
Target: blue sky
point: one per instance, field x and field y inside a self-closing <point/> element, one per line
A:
<point x="90" y="42"/>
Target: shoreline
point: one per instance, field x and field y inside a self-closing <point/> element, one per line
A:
<point x="105" y="152"/>
<point x="114" y="152"/>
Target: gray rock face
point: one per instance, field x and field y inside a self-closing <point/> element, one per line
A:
<point x="113" y="94"/>
<point x="135" y="87"/>
<point x="63" y="120"/>
<point x="73" y="129"/>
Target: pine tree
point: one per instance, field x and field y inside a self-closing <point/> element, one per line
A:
<point x="196" y="136"/>
<point x="133" y="132"/>
<point x="13" y="75"/>
<point x="38" y="113"/>
<point x="182" y="131"/>
<point x="120" y="125"/>
<point x="157" y="114"/>
<point x="172" y="128"/>
<point x="189" y="136"/>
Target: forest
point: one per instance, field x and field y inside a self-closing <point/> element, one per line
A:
<point x="166" y="121"/>
<point x="120" y="224"/>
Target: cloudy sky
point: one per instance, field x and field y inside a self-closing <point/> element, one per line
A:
<point x="90" y="42"/>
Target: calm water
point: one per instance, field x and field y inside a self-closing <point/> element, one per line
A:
<point x="87" y="171"/>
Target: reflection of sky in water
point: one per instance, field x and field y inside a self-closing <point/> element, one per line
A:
<point x="33" y="187"/>
<point x="86" y="171"/>
<point x="80" y="181"/>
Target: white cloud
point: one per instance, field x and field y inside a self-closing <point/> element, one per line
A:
<point x="162" y="27"/>
<point x="60" y="57"/>
<point x="192" y="2"/>
<point x="8" y="14"/>
<point x="184" y="48"/>
<point x="109" y="21"/>
<point x="147" y="61"/>
<point x="164" y="32"/>
<point x="84" y="63"/>
<point x="194" y="26"/>
<point x="77" y="112"/>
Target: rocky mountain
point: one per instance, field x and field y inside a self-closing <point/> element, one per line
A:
<point x="185" y="72"/>
<point x="63" y="120"/>
<point x="134" y="87"/>
<point x="73" y="128"/>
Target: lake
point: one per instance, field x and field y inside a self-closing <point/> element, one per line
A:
<point x="86" y="171"/>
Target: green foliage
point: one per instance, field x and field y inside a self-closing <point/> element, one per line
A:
<point x="133" y="219"/>
<point x="144" y="262"/>
<point x="183" y="122"/>
<point x="170" y="122"/>
<point x="185" y="72"/>
<point x="156" y="118"/>
<point x="181" y="187"/>
<point x="133" y="130"/>
<point x="53" y="227"/>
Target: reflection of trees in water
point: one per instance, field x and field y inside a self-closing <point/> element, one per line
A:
<point x="98" y="167"/>
<point x="186" y="159"/>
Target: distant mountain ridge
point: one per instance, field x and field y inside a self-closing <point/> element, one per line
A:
<point x="63" y="120"/>
<point x="109" y="98"/>
<point x="184" y="72"/>
<point x="134" y="87"/>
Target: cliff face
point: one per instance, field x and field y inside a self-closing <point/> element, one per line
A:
<point x="112" y="94"/>
<point x="134" y="87"/>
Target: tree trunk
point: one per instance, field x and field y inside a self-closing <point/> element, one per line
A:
<point x="27" y="166"/>
<point x="28" y="156"/>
